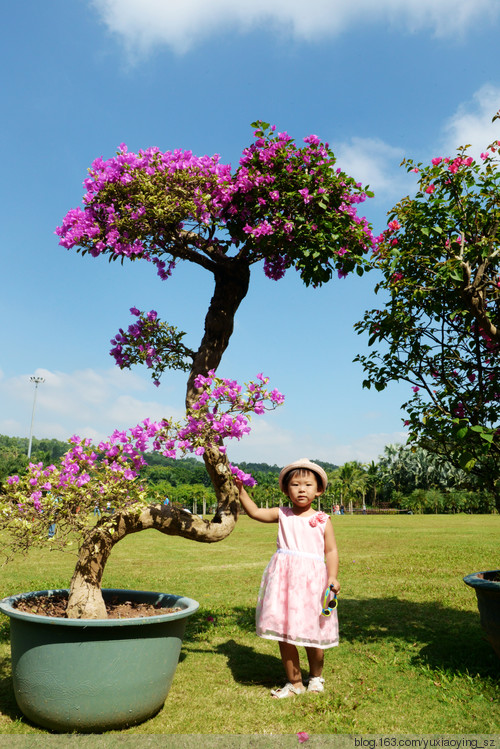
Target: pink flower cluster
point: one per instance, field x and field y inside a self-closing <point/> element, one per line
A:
<point x="88" y="473"/>
<point x="453" y="164"/>
<point x="314" y="161"/>
<point x="222" y="411"/>
<point x="152" y="342"/>
<point x="84" y="467"/>
<point x="279" y="193"/>
<point x="140" y="333"/>
<point x="98" y="225"/>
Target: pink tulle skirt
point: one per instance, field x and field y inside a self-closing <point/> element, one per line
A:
<point x="291" y="599"/>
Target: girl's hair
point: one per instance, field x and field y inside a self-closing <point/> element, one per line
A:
<point x="301" y="472"/>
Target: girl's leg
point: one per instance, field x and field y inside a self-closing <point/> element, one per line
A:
<point x="316" y="658"/>
<point x="291" y="662"/>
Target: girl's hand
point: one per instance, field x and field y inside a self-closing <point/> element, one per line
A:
<point x="264" y="515"/>
<point x="334" y="584"/>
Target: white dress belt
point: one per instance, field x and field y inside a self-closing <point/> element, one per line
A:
<point x="300" y="554"/>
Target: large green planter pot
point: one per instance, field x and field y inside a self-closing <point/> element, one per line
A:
<point x="487" y="587"/>
<point x="98" y="674"/>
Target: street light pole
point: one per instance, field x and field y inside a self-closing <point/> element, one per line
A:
<point x="36" y="381"/>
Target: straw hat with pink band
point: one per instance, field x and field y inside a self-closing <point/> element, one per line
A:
<point x="306" y="465"/>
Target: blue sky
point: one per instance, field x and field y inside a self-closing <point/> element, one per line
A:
<point x="378" y="81"/>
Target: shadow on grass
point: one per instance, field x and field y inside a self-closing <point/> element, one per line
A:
<point x="249" y="666"/>
<point x="4" y="629"/>
<point x="8" y="705"/>
<point x="443" y="638"/>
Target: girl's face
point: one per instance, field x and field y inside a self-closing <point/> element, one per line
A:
<point x="303" y="489"/>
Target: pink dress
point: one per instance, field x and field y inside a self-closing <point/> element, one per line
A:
<point x="293" y="585"/>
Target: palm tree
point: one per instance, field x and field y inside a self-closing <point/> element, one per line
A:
<point x="406" y="469"/>
<point x="373" y="476"/>
<point x="351" y="479"/>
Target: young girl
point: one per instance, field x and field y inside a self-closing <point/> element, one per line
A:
<point x="293" y="584"/>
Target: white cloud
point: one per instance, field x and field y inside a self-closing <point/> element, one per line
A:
<point x="144" y="24"/>
<point x="374" y="163"/>
<point x="270" y="443"/>
<point x="266" y="443"/>
<point x="377" y="164"/>
<point x="94" y="403"/>
<point x="471" y="123"/>
<point x="366" y="448"/>
<point x="88" y="402"/>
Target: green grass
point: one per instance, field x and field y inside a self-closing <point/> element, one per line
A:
<point x="411" y="660"/>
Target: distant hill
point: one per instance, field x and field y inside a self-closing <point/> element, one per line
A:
<point x="259" y="468"/>
<point x="51" y="449"/>
<point x="327" y="466"/>
<point x="274" y="469"/>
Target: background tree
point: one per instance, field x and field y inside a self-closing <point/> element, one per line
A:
<point x="176" y="472"/>
<point x="372" y="480"/>
<point x="268" y="494"/>
<point x="350" y="483"/>
<point x="12" y="460"/>
<point x="440" y="328"/>
<point x="404" y="469"/>
<point x="14" y="451"/>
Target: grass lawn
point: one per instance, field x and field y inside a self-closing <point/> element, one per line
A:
<point x="411" y="660"/>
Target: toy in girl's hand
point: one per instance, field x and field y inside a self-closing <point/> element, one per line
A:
<point x="329" y="606"/>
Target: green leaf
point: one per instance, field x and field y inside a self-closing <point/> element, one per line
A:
<point x="488" y="436"/>
<point x="259" y="125"/>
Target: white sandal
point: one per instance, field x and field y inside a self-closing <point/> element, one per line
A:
<point x="287" y="691"/>
<point x="316" y="684"/>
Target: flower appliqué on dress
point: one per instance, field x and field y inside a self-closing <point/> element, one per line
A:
<point x="320" y="517"/>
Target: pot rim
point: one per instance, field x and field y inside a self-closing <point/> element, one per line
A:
<point x="188" y="605"/>
<point x="474" y="581"/>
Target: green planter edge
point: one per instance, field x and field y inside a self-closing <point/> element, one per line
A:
<point x="487" y="590"/>
<point x="92" y="675"/>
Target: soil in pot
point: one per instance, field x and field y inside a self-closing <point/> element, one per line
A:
<point x="55" y="605"/>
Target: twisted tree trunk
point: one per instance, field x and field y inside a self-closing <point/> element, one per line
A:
<point x="85" y="600"/>
<point x="232" y="279"/>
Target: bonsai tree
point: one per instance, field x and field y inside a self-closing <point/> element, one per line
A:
<point x="439" y="330"/>
<point x="284" y="206"/>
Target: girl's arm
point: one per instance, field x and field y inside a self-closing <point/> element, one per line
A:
<point x="331" y="556"/>
<point x="264" y="515"/>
